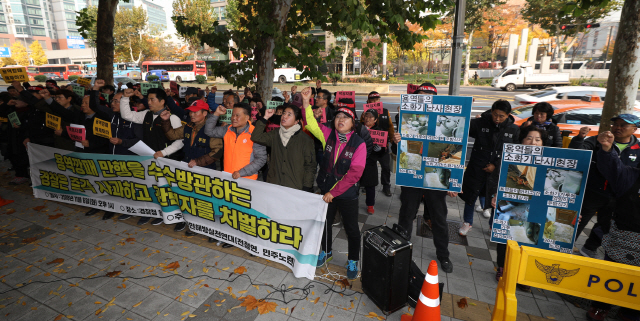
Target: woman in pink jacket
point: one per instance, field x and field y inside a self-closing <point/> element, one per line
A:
<point x="344" y="160"/>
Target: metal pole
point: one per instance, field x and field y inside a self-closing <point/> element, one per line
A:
<point x="384" y="61"/>
<point x="606" y="53"/>
<point x="456" y="49"/>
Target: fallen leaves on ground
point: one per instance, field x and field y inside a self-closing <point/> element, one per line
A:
<point x="343" y="283"/>
<point x="56" y="261"/>
<point x="130" y="239"/>
<point x="10" y="211"/>
<point x="53" y="217"/>
<point x="266" y="307"/>
<point x="316" y="300"/>
<point x="250" y="303"/>
<point x="463" y="303"/>
<point x="29" y="240"/>
<point x="240" y="270"/>
<point x="113" y="273"/>
<point x="172" y="266"/>
<point x="137" y="304"/>
<point x="60" y="316"/>
<point x="37" y="208"/>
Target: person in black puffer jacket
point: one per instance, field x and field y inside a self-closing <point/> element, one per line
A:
<point x="494" y="128"/>
<point x="541" y="118"/>
<point x="622" y="243"/>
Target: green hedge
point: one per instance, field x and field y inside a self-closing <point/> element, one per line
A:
<point x="73" y="77"/>
<point x="153" y="78"/>
<point x="40" y="78"/>
<point x="201" y="79"/>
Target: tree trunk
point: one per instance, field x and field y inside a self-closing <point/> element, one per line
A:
<point x="263" y="53"/>
<point x="345" y="54"/>
<point x="466" y="65"/>
<point x="104" y="40"/>
<point x="624" y="74"/>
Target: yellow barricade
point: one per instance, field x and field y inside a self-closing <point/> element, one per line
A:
<point x="583" y="277"/>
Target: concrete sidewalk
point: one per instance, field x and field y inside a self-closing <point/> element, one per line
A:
<point x="115" y="270"/>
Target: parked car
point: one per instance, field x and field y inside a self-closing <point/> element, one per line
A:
<point x="52" y="76"/>
<point x="162" y="74"/>
<point x="116" y="80"/>
<point x="571" y="114"/>
<point x="565" y="92"/>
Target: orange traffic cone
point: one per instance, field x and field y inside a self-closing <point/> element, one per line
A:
<point x="4" y="202"/>
<point x="428" y="306"/>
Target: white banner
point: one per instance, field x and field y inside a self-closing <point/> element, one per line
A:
<point x="274" y="222"/>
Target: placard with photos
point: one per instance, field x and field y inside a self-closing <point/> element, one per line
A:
<point x="539" y="197"/>
<point x="433" y="149"/>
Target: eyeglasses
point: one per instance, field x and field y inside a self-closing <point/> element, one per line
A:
<point x="319" y="97"/>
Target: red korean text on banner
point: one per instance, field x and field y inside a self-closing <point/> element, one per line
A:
<point x="272" y="126"/>
<point x="379" y="137"/>
<point x="345" y="94"/>
<point x="76" y="134"/>
<point x="376" y="106"/>
<point x="412" y="88"/>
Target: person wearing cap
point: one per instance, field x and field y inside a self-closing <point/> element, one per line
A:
<point x="541" y="118"/>
<point x="199" y="149"/>
<point x="383" y="122"/>
<point x="152" y="133"/>
<point x="342" y="165"/>
<point x="598" y="195"/>
<point x="360" y="129"/>
<point x="293" y="161"/>
<point x="50" y="83"/>
<point x="369" y="179"/>
<point x="242" y="157"/>
<point x="189" y="93"/>
<point x="622" y="242"/>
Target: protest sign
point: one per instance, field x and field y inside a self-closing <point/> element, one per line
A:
<point x="145" y="86"/>
<point x="101" y="128"/>
<point x="78" y="91"/>
<point x="226" y="117"/>
<point x="433" y="148"/>
<point x="274" y="104"/>
<point x="345" y="94"/>
<point x="53" y="121"/>
<point x="297" y="100"/>
<point x="272" y="126"/>
<point x="76" y="132"/>
<point x="379" y="137"/>
<point x="174" y="87"/>
<point x="183" y="91"/>
<point x="540" y="196"/>
<point x="12" y="74"/>
<point x="83" y="81"/>
<point x="376" y="106"/>
<point x="13" y="118"/>
<point x="106" y="97"/>
<point x="270" y="221"/>
<point x="4" y="120"/>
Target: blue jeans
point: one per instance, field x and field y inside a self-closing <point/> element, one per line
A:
<point x="468" y="210"/>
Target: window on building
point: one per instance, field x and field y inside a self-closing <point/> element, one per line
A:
<point x="22" y="30"/>
<point x="73" y="33"/>
<point x="3" y="29"/>
<point x="70" y="7"/>
<point x="70" y="16"/>
<point x="38" y="32"/>
<point x="34" y="11"/>
<point x="55" y="46"/>
<point x="37" y="22"/>
<point x="2" y="18"/>
<point x="5" y="42"/>
<point x="33" y="2"/>
<point x="220" y="11"/>
<point x="71" y="25"/>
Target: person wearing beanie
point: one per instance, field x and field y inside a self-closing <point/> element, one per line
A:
<point x="340" y="171"/>
<point x="369" y="178"/>
<point x="384" y="123"/>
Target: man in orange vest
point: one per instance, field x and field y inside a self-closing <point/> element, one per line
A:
<point x="242" y="157"/>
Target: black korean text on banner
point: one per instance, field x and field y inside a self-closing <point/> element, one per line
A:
<point x="12" y="74"/>
<point x="101" y="128"/>
<point x="379" y="137"/>
<point x="53" y="121"/>
<point x="375" y="106"/>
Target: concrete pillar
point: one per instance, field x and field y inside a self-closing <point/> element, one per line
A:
<point x="561" y="62"/>
<point x="533" y="51"/>
<point x="522" y="49"/>
<point x="511" y="49"/>
<point x="545" y="62"/>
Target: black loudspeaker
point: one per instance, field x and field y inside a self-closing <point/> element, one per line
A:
<point x="386" y="262"/>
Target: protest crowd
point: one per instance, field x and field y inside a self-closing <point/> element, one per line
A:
<point x="313" y="142"/>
